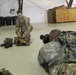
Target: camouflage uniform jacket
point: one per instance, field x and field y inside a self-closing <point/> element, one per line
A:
<point x="52" y="49"/>
<point x="66" y="64"/>
<point x="23" y="26"/>
<point x="48" y="52"/>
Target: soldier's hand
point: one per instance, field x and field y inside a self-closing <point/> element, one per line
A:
<point x="19" y="35"/>
<point x="23" y="36"/>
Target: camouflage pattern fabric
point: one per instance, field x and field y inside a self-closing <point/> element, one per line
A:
<point x="21" y="42"/>
<point x="63" y="69"/>
<point x="23" y="27"/>
<point x="69" y="36"/>
<point x="50" y="50"/>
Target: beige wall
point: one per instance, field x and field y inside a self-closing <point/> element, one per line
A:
<point x="6" y="5"/>
<point x="36" y="10"/>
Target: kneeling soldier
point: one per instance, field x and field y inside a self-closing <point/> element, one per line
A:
<point x="23" y="29"/>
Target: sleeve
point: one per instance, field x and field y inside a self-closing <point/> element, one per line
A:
<point x="29" y="27"/>
<point x="17" y="27"/>
<point x="40" y="59"/>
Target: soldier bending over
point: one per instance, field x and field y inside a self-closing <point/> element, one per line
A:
<point x="23" y="29"/>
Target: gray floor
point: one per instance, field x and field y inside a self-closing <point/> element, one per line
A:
<point x="23" y="60"/>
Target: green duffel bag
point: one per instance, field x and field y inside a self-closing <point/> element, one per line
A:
<point x="8" y="42"/>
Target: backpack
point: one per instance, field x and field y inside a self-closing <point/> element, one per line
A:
<point x="8" y="42"/>
<point x="21" y="42"/>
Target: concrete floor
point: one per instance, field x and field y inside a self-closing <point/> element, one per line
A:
<point x="23" y="60"/>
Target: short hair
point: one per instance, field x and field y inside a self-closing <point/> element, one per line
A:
<point x="54" y="33"/>
<point x="19" y="12"/>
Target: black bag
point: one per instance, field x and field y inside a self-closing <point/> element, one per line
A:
<point x="8" y="42"/>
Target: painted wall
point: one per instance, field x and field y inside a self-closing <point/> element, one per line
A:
<point x="5" y="7"/>
<point x="36" y="10"/>
<point x="74" y="3"/>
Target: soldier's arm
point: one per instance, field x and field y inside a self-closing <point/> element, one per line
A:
<point x="40" y="59"/>
<point x="29" y="27"/>
<point x="17" y="28"/>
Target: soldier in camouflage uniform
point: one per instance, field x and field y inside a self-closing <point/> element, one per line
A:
<point x="58" y="57"/>
<point x="23" y="29"/>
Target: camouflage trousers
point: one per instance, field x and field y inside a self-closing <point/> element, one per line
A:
<point x="63" y="69"/>
<point x="20" y="41"/>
